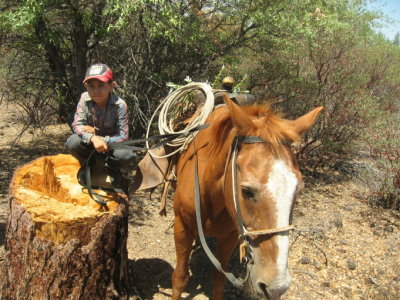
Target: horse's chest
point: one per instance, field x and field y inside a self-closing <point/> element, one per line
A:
<point x="219" y="225"/>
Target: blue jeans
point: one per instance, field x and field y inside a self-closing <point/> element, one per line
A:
<point x="114" y="159"/>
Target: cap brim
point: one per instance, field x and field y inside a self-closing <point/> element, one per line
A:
<point x="98" y="77"/>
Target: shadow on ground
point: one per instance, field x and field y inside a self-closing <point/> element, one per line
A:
<point x="201" y="267"/>
<point x="148" y="276"/>
<point x="151" y="276"/>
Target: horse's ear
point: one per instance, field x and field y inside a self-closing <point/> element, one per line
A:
<point x="304" y="123"/>
<point x="239" y="118"/>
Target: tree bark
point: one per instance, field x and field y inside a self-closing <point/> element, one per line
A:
<point x="60" y="244"/>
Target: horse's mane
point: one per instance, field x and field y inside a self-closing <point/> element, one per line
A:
<point x="268" y="124"/>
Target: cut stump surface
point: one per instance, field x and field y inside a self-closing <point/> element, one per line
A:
<point x="60" y="243"/>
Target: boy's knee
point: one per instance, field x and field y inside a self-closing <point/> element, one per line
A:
<point x="73" y="142"/>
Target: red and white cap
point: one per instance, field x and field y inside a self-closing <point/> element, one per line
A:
<point x="101" y="72"/>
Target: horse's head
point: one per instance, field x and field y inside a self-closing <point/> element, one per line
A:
<point x="267" y="181"/>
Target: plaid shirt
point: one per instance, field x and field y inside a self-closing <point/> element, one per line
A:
<point x="111" y="122"/>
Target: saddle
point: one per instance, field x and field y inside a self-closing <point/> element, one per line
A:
<point x="95" y="174"/>
<point x="152" y="171"/>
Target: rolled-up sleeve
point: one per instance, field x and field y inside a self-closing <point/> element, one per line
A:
<point x="80" y="120"/>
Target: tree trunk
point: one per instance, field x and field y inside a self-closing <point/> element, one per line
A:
<point x="60" y="244"/>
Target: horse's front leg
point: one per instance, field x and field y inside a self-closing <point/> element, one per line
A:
<point x="225" y="247"/>
<point x="183" y="247"/>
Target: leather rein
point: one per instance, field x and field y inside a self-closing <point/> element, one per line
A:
<point x="130" y="145"/>
<point x="245" y="250"/>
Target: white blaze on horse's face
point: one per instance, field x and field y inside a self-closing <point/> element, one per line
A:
<point x="282" y="185"/>
<point x="276" y="193"/>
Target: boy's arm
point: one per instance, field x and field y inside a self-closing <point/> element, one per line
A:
<point x="81" y="122"/>
<point x="123" y="126"/>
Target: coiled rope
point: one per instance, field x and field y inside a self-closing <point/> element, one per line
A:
<point x="165" y="126"/>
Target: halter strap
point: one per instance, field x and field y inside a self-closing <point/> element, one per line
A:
<point x="242" y="229"/>
<point x="237" y="282"/>
<point x="269" y="231"/>
<point x="250" y="139"/>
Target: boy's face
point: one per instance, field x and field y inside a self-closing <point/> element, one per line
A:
<point x="99" y="91"/>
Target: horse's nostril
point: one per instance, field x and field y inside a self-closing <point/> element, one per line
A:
<point x="264" y="289"/>
<point x="270" y="293"/>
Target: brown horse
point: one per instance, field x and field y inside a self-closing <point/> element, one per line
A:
<point x="267" y="181"/>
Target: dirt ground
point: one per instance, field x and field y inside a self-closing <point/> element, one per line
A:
<point x="342" y="247"/>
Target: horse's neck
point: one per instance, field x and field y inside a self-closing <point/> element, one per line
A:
<point x="214" y="178"/>
<point x="219" y="159"/>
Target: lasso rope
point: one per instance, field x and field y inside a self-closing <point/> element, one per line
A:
<point x="165" y="126"/>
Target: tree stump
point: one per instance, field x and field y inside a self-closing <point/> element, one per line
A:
<point x="60" y="244"/>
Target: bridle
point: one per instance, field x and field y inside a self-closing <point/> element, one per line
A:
<point x="243" y="232"/>
<point x="246" y="254"/>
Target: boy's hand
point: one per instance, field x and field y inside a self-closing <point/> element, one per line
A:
<point x="89" y="129"/>
<point x="99" y="144"/>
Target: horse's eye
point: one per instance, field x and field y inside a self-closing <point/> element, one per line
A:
<point x="247" y="192"/>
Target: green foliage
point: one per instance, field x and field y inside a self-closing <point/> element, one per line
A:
<point x="147" y="43"/>
<point x="326" y="54"/>
<point x="384" y="145"/>
<point x="319" y="63"/>
<point x="382" y="135"/>
<point x="48" y="44"/>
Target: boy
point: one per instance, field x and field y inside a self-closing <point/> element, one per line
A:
<point x="101" y="118"/>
